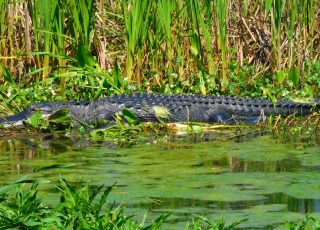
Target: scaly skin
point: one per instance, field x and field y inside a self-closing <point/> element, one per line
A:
<point x="177" y="108"/>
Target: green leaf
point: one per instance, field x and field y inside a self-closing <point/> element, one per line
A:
<point x="68" y="194"/>
<point x="236" y="223"/>
<point x="94" y="193"/>
<point x="32" y="223"/>
<point x="129" y="116"/>
<point x="117" y="79"/>
<point x="307" y="91"/>
<point x="7" y="188"/>
<point x="85" y="58"/>
<point x="202" y="86"/>
<point x="161" y="112"/>
<point x="36" y="120"/>
<point x="61" y="117"/>
<point x="103" y="198"/>
<point x="158" y="222"/>
<point x="195" y="45"/>
<point x="294" y="75"/>
<point x="97" y="133"/>
<point x="267" y="93"/>
<point x="5" y="73"/>
<point x="56" y="166"/>
<point x="51" y="220"/>
<point x="267" y="5"/>
<point x="281" y="75"/>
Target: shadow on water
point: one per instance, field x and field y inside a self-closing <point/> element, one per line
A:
<point x="238" y="165"/>
<point x="261" y="178"/>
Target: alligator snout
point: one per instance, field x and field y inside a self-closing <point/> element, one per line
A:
<point x="14" y="120"/>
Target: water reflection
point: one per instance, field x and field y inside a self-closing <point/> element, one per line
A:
<point x="294" y="204"/>
<point x="303" y="206"/>
<point x="236" y="164"/>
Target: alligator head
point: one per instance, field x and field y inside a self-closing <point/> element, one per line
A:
<point x="46" y="109"/>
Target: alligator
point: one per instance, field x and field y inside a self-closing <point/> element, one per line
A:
<point x="150" y="107"/>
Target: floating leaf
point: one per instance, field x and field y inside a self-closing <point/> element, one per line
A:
<point x="161" y="112"/>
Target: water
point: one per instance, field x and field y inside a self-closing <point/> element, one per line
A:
<point x="264" y="179"/>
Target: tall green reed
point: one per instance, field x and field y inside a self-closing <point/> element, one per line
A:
<point x="81" y="21"/>
<point x="221" y="11"/>
<point x="276" y="28"/>
<point x="136" y="19"/>
<point x="43" y="14"/>
<point x="7" y="31"/>
<point x="291" y="29"/>
<point x="294" y="21"/>
<point x="163" y="20"/>
<point x="53" y="33"/>
<point x="60" y="42"/>
<point x="161" y="42"/>
<point x="206" y="23"/>
<point x="3" y="27"/>
<point x="165" y="41"/>
<point x="308" y="15"/>
<point x="203" y="21"/>
<point x="293" y="73"/>
<point x="3" y="9"/>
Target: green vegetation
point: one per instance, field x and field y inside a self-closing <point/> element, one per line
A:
<point x="54" y="50"/>
<point x="80" y="208"/>
<point x="86" y="49"/>
<point x="83" y="207"/>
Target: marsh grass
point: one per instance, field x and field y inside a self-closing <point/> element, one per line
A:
<point x="222" y="10"/>
<point x="164" y="46"/>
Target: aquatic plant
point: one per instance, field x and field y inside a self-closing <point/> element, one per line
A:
<point x="201" y="222"/>
<point x="80" y="207"/>
<point x="308" y="222"/>
<point x="84" y="207"/>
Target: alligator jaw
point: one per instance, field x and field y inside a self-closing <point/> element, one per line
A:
<point x="16" y="120"/>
